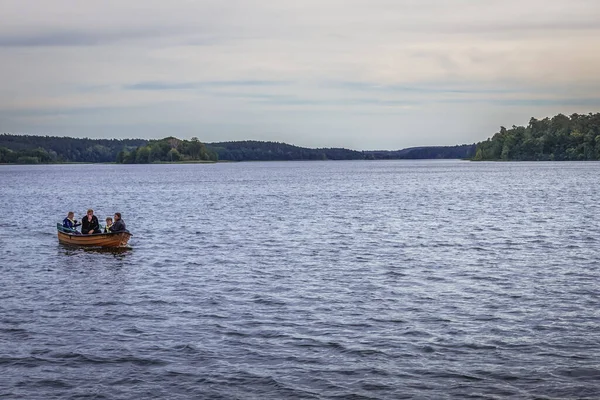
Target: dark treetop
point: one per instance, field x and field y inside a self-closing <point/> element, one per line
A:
<point x="27" y="149"/>
<point x="49" y="149"/>
<point x="267" y="151"/>
<point x="168" y="149"/>
<point x="559" y="138"/>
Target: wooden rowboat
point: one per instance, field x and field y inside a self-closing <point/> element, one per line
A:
<point x="112" y="239"/>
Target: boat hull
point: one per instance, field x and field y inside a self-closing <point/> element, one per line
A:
<point x="113" y="239"/>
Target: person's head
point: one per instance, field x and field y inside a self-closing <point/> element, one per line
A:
<point x="108" y="220"/>
<point x="117" y="216"/>
<point x="90" y="212"/>
<point x="71" y="215"/>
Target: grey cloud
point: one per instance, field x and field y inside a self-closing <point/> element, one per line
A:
<point x="216" y="22"/>
<point x="428" y="88"/>
<point x="288" y="100"/>
<point x="534" y="102"/>
<point x="525" y="102"/>
<point x="70" y="111"/>
<point x="49" y="39"/>
<point x="516" y="27"/>
<point x="79" y="37"/>
<point x="162" y="86"/>
<point x="213" y="23"/>
<point x="66" y="38"/>
<point x="200" y="85"/>
<point x="294" y="100"/>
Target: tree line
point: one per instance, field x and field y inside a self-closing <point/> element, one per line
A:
<point x="560" y="138"/>
<point x="50" y="149"/>
<point x="463" y="151"/>
<point x="168" y="149"/>
<point x="275" y="151"/>
<point x="251" y="150"/>
<point x="27" y="149"/>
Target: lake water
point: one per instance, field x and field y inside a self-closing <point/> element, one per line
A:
<point x="307" y="280"/>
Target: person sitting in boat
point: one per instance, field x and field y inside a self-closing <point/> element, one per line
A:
<point x="89" y="223"/>
<point x="109" y="223"/>
<point x="119" y="225"/>
<point x="69" y="222"/>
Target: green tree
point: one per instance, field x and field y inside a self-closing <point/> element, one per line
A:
<point x="195" y="149"/>
<point x="28" y="160"/>
<point x="173" y="156"/>
<point x="559" y="138"/>
<point x="142" y="155"/>
<point x="121" y="156"/>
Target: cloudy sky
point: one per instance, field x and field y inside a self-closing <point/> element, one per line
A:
<point x="362" y="74"/>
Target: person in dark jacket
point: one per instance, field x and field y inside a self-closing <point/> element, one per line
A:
<point x="118" y="225"/>
<point x="89" y="223"/>
<point x="69" y="222"/>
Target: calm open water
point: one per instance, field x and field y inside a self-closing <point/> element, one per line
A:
<point x="364" y="280"/>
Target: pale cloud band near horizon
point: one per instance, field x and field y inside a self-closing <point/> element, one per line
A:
<point x="361" y="74"/>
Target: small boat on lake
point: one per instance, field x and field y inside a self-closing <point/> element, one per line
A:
<point x="111" y="239"/>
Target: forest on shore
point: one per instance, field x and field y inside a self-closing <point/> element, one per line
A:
<point x="560" y="138"/>
<point x="29" y="149"/>
<point x="271" y="151"/>
<point x="25" y="149"/>
<point x="168" y="149"/>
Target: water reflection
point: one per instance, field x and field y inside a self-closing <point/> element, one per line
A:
<point x="119" y="252"/>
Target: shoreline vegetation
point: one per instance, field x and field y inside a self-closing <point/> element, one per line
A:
<point x="560" y="138"/>
<point x="25" y="149"/>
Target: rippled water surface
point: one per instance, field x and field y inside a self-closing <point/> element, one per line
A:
<point x="366" y="280"/>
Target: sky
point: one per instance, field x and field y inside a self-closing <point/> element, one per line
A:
<point x="359" y="74"/>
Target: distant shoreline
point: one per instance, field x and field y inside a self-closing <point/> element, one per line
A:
<point x="236" y="162"/>
<point x="560" y="138"/>
<point x="25" y="149"/>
